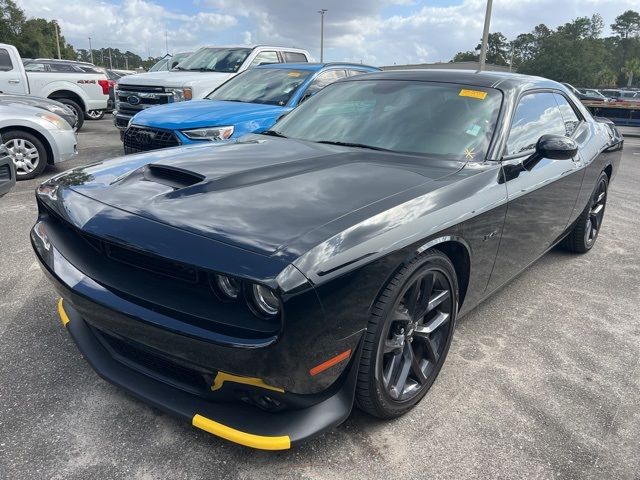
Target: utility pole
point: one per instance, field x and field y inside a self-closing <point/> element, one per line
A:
<point x="90" y="50"/>
<point x="55" y="27"/>
<point x="485" y="36"/>
<point x="110" y="62"/>
<point x="166" y="43"/>
<point x="126" y="62"/>
<point x="511" y="58"/>
<point x="322" y="12"/>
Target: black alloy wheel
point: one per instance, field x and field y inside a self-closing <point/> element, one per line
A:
<point x="409" y="336"/>
<point x="596" y="212"/>
<point x="585" y="232"/>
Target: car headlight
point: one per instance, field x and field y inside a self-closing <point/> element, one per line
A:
<point x="180" y="94"/>
<point x="227" y="288"/>
<point x="55" y="120"/>
<point x="59" y="110"/>
<point x="209" y="133"/>
<point x="264" y="300"/>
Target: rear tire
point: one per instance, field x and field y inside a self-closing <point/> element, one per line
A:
<point x="95" y="114"/>
<point x="585" y="232"/>
<point x="28" y="153"/>
<point x="408" y="336"/>
<point x="77" y="108"/>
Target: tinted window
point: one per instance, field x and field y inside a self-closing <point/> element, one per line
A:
<point x="294" y="57"/>
<point x="404" y="116"/>
<point x="273" y="86"/>
<point x="537" y="114"/>
<point x="62" y="68"/>
<point x="324" y="79"/>
<point x="569" y="116"/>
<point x="5" y="61"/>
<point x="265" y="57"/>
<point x="35" y="67"/>
<point x="226" y="60"/>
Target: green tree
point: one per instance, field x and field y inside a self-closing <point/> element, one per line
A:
<point x="631" y="68"/>
<point x="627" y="25"/>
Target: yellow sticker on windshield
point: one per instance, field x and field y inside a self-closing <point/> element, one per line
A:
<point x="294" y="74"/>
<point x="473" y="94"/>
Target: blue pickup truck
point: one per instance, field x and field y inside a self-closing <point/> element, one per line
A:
<point x="250" y="102"/>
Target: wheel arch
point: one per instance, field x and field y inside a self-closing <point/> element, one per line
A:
<point x="70" y="95"/>
<point x="35" y="133"/>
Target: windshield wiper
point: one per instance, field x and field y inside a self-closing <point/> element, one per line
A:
<point x="273" y="133"/>
<point x="357" y="145"/>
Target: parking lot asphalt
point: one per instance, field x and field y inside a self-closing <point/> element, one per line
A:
<point x="542" y="380"/>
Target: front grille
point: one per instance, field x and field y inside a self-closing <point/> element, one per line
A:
<point x="156" y="365"/>
<point x="139" y="139"/>
<point x="133" y="98"/>
<point x="5" y="172"/>
<point x="150" y="263"/>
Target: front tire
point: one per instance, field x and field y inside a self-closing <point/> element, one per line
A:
<point x="585" y="232"/>
<point x="27" y="152"/>
<point x="408" y="336"/>
<point x="76" y="108"/>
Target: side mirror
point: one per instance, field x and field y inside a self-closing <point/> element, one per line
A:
<point x="556" y="147"/>
<point x="307" y="95"/>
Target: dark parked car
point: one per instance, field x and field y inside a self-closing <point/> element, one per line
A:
<point x="7" y="171"/>
<point x="53" y="106"/>
<point x="256" y="287"/>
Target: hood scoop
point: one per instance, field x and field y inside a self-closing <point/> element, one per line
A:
<point x="173" y="177"/>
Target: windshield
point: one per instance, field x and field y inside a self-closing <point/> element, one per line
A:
<point x="402" y="116"/>
<point x="226" y="60"/>
<point x="272" y="86"/>
<point x="161" y="65"/>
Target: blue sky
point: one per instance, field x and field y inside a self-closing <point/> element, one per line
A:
<point x="379" y="32"/>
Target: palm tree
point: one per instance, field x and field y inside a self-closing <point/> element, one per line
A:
<point x="630" y="69"/>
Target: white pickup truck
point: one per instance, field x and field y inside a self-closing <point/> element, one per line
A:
<point x="195" y="77"/>
<point x="79" y="90"/>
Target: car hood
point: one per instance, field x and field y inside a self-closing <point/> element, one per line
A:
<point x="204" y="113"/>
<point x="202" y="83"/>
<point x="260" y="193"/>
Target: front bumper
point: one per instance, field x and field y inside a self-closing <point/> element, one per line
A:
<point x="233" y="421"/>
<point x="64" y="145"/>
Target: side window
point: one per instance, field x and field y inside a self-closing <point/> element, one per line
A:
<point x="324" y="79"/>
<point x="265" y="57"/>
<point x="61" y="68"/>
<point x="5" y="61"/>
<point x="294" y="57"/>
<point x="569" y="116"/>
<point x="353" y="72"/>
<point x="537" y="114"/>
<point x="35" y="67"/>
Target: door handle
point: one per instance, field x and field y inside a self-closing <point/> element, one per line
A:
<point x="14" y="80"/>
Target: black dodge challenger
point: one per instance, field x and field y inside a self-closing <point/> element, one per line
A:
<point x="259" y="287"/>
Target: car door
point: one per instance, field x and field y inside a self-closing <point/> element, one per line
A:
<point x="11" y="78"/>
<point x="540" y="199"/>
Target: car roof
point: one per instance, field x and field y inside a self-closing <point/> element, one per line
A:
<point x="315" y="66"/>
<point x="500" y="80"/>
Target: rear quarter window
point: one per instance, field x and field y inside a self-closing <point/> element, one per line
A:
<point x="5" y="61"/>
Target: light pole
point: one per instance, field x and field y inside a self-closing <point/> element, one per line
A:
<point x="90" y="50"/>
<point x="485" y="36"/>
<point x="322" y="12"/>
<point x="55" y="26"/>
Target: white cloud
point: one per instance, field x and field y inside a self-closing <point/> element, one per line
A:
<point x="372" y="31"/>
